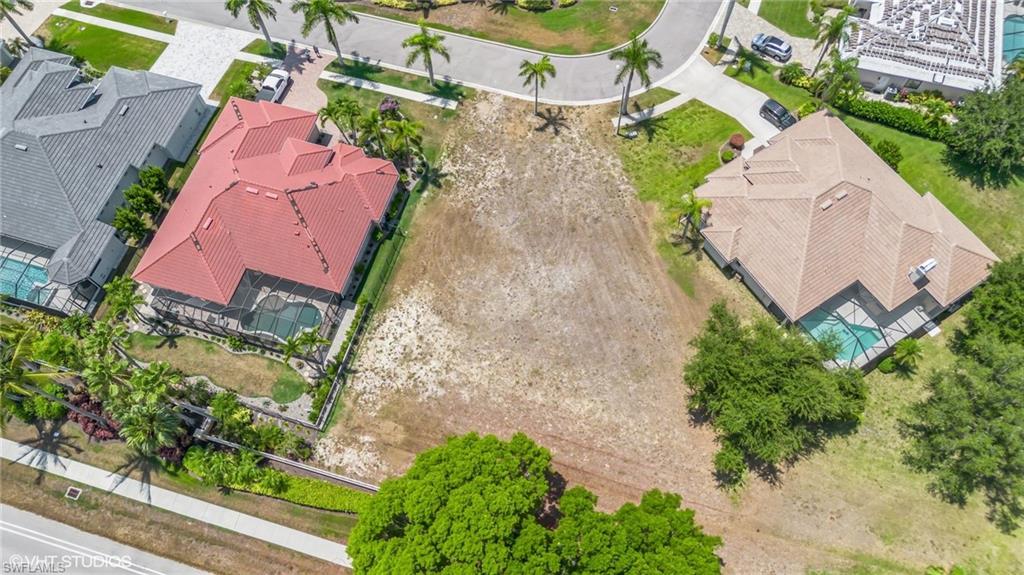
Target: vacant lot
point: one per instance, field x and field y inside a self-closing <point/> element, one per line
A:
<point x="531" y="296"/>
<point x="100" y="47"/>
<point x="250" y="374"/>
<point x="589" y="26"/>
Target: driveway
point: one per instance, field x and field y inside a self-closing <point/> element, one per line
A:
<point x="677" y="34"/>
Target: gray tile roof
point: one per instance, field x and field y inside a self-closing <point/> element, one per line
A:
<point x="65" y="145"/>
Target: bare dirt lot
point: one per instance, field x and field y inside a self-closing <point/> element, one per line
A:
<point x="530" y="298"/>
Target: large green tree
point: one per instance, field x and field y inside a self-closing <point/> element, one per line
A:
<point x="425" y="44"/>
<point x="989" y="132"/>
<point x="968" y="433"/>
<point x="475" y="505"/>
<point x="637" y="57"/>
<point x="832" y="31"/>
<point x="997" y="308"/>
<point x="537" y="73"/>
<point x="255" y="10"/>
<point x="766" y="391"/>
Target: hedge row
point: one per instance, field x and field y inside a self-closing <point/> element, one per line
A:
<point x="903" y="119"/>
<point x="317" y="493"/>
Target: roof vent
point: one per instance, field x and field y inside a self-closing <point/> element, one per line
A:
<point x="271" y="195"/>
<point x="206" y="224"/>
<point x="238" y="113"/>
<point x="826" y="205"/>
<point x="919" y="274"/>
<point x="252" y="190"/>
<point x="21" y="147"/>
<point x="842" y="194"/>
<point x="123" y="110"/>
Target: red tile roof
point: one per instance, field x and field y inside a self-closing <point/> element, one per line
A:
<point x="264" y="198"/>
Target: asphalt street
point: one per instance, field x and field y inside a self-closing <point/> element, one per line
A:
<point x="678" y="33"/>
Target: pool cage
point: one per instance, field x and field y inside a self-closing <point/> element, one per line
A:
<point x="264" y="311"/>
<point x="24" y="281"/>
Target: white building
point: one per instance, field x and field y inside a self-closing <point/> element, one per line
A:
<point x="954" y="46"/>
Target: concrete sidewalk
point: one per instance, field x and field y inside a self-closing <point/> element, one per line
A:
<point x="168" y="500"/>
<point x="391" y="90"/>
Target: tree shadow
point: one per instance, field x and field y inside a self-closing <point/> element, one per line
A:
<point x="448" y="91"/>
<point x="499" y="7"/>
<point x="140" y="462"/>
<point x="979" y="177"/>
<point x="549" y="514"/>
<point x="50" y="444"/>
<point x="358" y="67"/>
<point x="433" y="175"/>
<point x="554" y="119"/>
<point x="650" y="127"/>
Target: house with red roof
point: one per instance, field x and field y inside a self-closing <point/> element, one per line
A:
<point x="264" y="239"/>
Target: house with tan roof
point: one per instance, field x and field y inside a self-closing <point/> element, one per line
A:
<point x="267" y="237"/>
<point x="830" y="238"/>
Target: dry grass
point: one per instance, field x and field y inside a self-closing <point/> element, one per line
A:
<point x="250" y="375"/>
<point x="150" y="529"/>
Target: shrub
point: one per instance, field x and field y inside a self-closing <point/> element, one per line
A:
<point x="737" y="141"/>
<point x="4" y="73"/>
<point x="863" y="136"/>
<point x="236" y="343"/>
<point x="890" y="153"/>
<point x="808" y="108"/>
<point x="130" y="224"/>
<point x="318" y="493"/>
<point x="903" y="119"/>
<point x="243" y="88"/>
<point x="399" y="4"/>
<point x="536" y="5"/>
<point x="728" y="155"/>
<point x="319" y="399"/>
<point x="887" y="365"/>
<point x="566" y="3"/>
<point x="153" y="179"/>
<point x="36" y="407"/>
<point x="142" y="200"/>
<point x="791" y="73"/>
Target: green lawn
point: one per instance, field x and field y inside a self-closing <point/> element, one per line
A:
<point x="652" y="98"/>
<point x="100" y="47"/>
<point x="238" y="70"/>
<point x="250" y="375"/>
<point x="790" y="16"/>
<point x="672" y="155"/>
<point x="436" y="121"/>
<point x="761" y="76"/>
<point x="367" y="71"/>
<point x="125" y="16"/>
<point x="260" y="48"/>
<point x="589" y="26"/>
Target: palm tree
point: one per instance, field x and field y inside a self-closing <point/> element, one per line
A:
<point x="906" y="353"/>
<point x="832" y="31"/>
<point x="311" y="339"/>
<point x="147" y="427"/>
<point x="537" y="73"/>
<point x="693" y="211"/>
<point x="122" y="298"/>
<point x="327" y="13"/>
<point x="424" y="44"/>
<point x="16" y="378"/>
<point x="406" y="137"/>
<point x="1016" y="68"/>
<point x="8" y="7"/>
<point x="291" y="347"/>
<point x="637" y="58"/>
<point x="371" y="130"/>
<point x="256" y="10"/>
<point x="339" y="109"/>
<point x="841" y="81"/>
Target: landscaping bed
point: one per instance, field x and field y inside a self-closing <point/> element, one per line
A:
<point x="125" y="16"/>
<point x="100" y="47"/>
<point x="588" y="26"/>
<point x="248" y="374"/>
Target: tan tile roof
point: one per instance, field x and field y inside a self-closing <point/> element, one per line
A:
<point x="817" y="210"/>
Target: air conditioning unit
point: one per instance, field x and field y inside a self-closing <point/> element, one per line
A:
<point x="920" y="273"/>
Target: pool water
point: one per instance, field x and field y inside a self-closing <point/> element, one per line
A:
<point x="853" y="339"/>
<point x="281" y="318"/>
<point x="1013" y="38"/>
<point x="23" y="280"/>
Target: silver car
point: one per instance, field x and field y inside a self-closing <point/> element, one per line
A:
<point x="772" y="46"/>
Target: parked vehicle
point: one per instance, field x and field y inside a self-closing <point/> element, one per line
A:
<point x="777" y="114"/>
<point x="772" y="46"/>
<point x="274" y="85"/>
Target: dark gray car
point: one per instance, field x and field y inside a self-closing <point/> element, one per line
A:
<point x="777" y="114"/>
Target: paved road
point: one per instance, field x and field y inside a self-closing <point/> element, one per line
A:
<point x="30" y="543"/>
<point x="175" y="502"/>
<point x="677" y="34"/>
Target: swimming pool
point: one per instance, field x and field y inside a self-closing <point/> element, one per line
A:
<point x="853" y="339"/>
<point x="281" y="318"/>
<point x="23" y="280"/>
<point x="1013" y="38"/>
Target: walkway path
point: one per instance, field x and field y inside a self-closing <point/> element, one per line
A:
<point x="708" y="84"/>
<point x="29" y="538"/>
<point x="392" y="90"/>
<point x="677" y="34"/>
<point x="177" y="503"/>
<point x="195" y="52"/>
